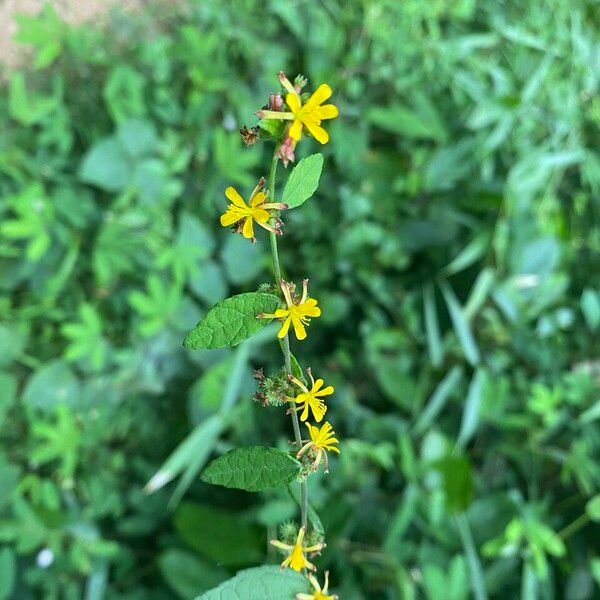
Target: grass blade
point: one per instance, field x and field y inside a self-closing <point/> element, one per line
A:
<point x="470" y="418"/>
<point x="465" y="337"/>
<point x="438" y="400"/>
<point x="432" y="328"/>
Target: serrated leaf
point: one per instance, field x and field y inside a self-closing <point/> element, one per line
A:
<point x="260" y="583"/>
<point x="231" y="321"/>
<point x="253" y="468"/>
<point x="303" y="180"/>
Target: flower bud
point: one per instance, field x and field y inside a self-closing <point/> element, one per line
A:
<point x="285" y="152"/>
<point x="300" y="83"/>
<point x="275" y="102"/>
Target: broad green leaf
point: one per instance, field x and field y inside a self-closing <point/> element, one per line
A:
<point x="273" y="127"/>
<point x="223" y="537"/>
<point x="187" y="575"/>
<point x="242" y="261"/>
<point x="106" y="166"/>
<point x="252" y="468"/>
<point x="52" y="385"/>
<point x="231" y="321"/>
<point x="457" y="481"/>
<point x="303" y="180"/>
<point x="260" y="583"/>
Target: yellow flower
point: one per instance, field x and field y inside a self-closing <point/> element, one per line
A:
<point x="257" y="210"/>
<point x="320" y="592"/>
<point x="309" y="115"/>
<point x="321" y="441"/>
<point x="296" y="559"/>
<point x="297" y="314"/>
<point x="311" y="399"/>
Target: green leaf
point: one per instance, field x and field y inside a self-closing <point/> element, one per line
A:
<point x="187" y="575"/>
<point x="590" y="306"/>
<point x="303" y="180"/>
<point x="192" y="452"/>
<point x="106" y="166"/>
<point x="592" y="508"/>
<point x="253" y="468"/>
<point x="52" y="385"/>
<point x="242" y="261"/>
<point x="461" y="327"/>
<point x="470" y="418"/>
<point x="221" y="536"/>
<point x="432" y="327"/>
<point x="457" y="481"/>
<point x="424" y="123"/>
<point x="24" y="108"/>
<point x="231" y="321"/>
<point x="260" y="583"/>
<point x="438" y="400"/>
<point x="273" y="127"/>
<point x="7" y="572"/>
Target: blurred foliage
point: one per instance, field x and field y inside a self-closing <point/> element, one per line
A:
<point x="454" y="245"/>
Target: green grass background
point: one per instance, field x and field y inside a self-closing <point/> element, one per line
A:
<point x="453" y="244"/>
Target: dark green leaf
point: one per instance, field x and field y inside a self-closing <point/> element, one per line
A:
<point x="231" y="321"/>
<point x="223" y="537"/>
<point x="261" y="583"/>
<point x="303" y="180"/>
<point x="252" y="468"/>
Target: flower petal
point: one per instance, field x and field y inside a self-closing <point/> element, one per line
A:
<point x="317" y="131"/>
<point x="234" y="197"/>
<point x="320" y="95"/>
<point x="229" y="218"/>
<point x="293" y="102"/>
<point x="258" y="198"/>
<point x="261" y="215"/>
<point x="299" y="328"/>
<point x="248" y="229"/>
<point x="325" y="391"/>
<point x="295" y="131"/>
<point x="327" y="111"/>
<point x="284" y="328"/>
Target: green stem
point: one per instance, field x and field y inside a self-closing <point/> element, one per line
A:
<point x="285" y="343"/>
<point x="573" y="527"/>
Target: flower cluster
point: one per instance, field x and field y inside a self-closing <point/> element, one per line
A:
<point x="289" y="115"/>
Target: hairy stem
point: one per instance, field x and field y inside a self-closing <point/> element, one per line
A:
<point x="285" y="343"/>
